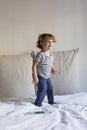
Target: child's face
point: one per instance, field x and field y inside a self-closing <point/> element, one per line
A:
<point x="48" y="44"/>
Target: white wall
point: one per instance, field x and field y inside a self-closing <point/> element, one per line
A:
<point x="21" y="21"/>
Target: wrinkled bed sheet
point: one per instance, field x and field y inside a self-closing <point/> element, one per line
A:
<point x="69" y="113"/>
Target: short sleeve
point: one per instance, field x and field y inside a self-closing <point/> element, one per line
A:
<point x="38" y="57"/>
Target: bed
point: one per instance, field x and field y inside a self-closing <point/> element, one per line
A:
<point x="69" y="113"/>
<point x="18" y="93"/>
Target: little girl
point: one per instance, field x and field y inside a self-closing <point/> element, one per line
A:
<point x="42" y="67"/>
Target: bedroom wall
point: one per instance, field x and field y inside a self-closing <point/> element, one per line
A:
<point x="21" y="21"/>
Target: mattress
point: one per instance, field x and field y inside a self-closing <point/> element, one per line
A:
<point x="69" y="113"/>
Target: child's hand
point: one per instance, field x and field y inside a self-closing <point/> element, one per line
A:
<point x="53" y="70"/>
<point x="35" y="81"/>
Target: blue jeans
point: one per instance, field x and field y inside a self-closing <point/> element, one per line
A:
<point x="44" y="87"/>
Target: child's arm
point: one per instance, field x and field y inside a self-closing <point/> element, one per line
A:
<point x="34" y="70"/>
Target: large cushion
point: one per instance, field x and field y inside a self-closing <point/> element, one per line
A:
<point x="16" y="75"/>
<point x="66" y="81"/>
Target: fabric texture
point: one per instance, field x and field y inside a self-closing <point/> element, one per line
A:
<point x="69" y="113"/>
<point x="44" y="86"/>
<point x="66" y="80"/>
<point x="16" y="75"/>
<point x="45" y="64"/>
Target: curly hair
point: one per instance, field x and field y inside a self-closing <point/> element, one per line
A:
<point x="43" y="37"/>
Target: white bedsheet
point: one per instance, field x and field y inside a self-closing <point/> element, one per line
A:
<point x="69" y="113"/>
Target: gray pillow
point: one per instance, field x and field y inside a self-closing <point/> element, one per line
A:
<point x="16" y="76"/>
<point x="66" y="81"/>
